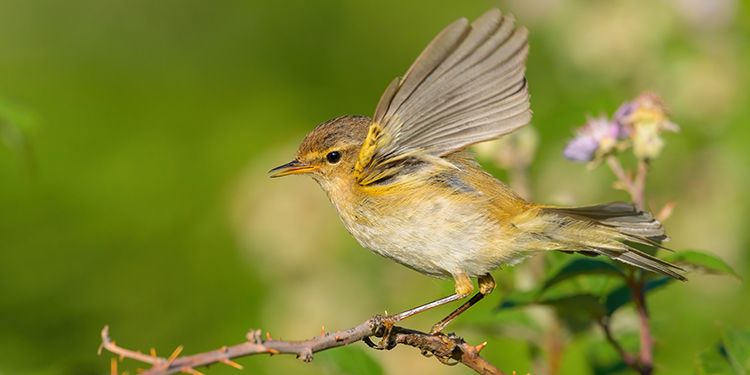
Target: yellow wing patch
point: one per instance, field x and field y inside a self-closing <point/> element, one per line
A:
<point x="367" y="152"/>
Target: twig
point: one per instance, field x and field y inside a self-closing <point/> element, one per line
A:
<point x="628" y="358"/>
<point x="622" y="176"/>
<point x="634" y="186"/>
<point x="448" y="349"/>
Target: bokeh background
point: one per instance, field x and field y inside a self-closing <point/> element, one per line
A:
<point x="137" y="135"/>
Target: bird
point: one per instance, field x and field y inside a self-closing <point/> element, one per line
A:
<point x="406" y="186"/>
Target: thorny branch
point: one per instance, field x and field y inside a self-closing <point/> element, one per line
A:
<point x="449" y="349"/>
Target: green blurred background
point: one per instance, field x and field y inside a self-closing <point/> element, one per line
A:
<point x="133" y="187"/>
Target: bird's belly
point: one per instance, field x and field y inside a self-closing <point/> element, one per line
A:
<point x="437" y="236"/>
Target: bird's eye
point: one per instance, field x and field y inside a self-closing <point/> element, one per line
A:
<point x="333" y="157"/>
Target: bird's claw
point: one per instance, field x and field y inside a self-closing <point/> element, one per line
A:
<point x="387" y="341"/>
<point x="437" y="329"/>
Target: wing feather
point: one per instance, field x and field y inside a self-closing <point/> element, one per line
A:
<point x="466" y="87"/>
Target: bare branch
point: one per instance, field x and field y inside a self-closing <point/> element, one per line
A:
<point x="449" y="349"/>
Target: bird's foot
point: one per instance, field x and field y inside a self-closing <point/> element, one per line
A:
<point x="388" y="340"/>
<point x="438" y="328"/>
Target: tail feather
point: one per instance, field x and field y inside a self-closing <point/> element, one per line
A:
<point x="605" y="229"/>
<point x="625" y="217"/>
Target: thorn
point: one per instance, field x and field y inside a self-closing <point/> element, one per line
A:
<point x="323" y="330"/>
<point x="666" y="211"/>
<point x="99" y="350"/>
<point x="113" y="367"/>
<point x="386" y="312"/>
<point x="153" y="352"/>
<point x="121" y="357"/>
<point x="231" y="363"/>
<point x="338" y="338"/>
<point x="224" y="349"/>
<point x="479" y="347"/>
<point x="272" y="351"/>
<point x="268" y="336"/>
<point x="174" y="355"/>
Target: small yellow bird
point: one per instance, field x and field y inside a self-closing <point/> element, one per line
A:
<point x="405" y="187"/>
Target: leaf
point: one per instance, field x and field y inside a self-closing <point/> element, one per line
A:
<point x="623" y="295"/>
<point x="577" y="310"/>
<point x="584" y="305"/>
<point x="582" y="266"/>
<point x="713" y="361"/>
<point x="603" y="359"/>
<point x="518" y="299"/>
<point x="572" y="302"/>
<point x="730" y="356"/>
<point x="703" y="262"/>
<point x="737" y="346"/>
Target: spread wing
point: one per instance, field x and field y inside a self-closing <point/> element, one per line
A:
<point x="466" y="87"/>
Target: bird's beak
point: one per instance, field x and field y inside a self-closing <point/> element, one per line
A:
<point x="293" y="167"/>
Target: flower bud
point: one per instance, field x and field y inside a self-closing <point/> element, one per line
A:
<point x="644" y="119"/>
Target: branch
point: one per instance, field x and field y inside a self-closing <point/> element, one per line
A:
<point x="449" y="349"/>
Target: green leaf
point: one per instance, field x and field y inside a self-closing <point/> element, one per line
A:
<point x="730" y="356"/>
<point x="582" y="266"/>
<point x="583" y="305"/>
<point x="518" y="299"/>
<point x="623" y="295"/>
<point x="577" y="311"/>
<point x="603" y="359"/>
<point x="737" y="346"/>
<point x="702" y="262"/>
<point x="713" y="361"/>
<point x="573" y="302"/>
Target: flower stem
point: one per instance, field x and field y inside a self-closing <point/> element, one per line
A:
<point x="639" y="185"/>
<point x="636" y="188"/>
<point x="647" y="341"/>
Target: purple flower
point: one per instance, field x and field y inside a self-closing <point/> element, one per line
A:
<point x="598" y="136"/>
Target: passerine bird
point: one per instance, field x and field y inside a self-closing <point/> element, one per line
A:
<point x="405" y="187"/>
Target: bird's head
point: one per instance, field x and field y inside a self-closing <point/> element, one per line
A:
<point x="329" y="152"/>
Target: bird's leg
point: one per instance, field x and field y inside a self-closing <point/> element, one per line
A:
<point x="464" y="287"/>
<point x="486" y="285"/>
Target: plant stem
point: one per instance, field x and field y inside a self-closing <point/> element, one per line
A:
<point x="636" y="187"/>
<point x="628" y="358"/>
<point x="639" y="185"/>
<point x="647" y="342"/>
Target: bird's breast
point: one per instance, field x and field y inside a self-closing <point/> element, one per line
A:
<point x="433" y="231"/>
